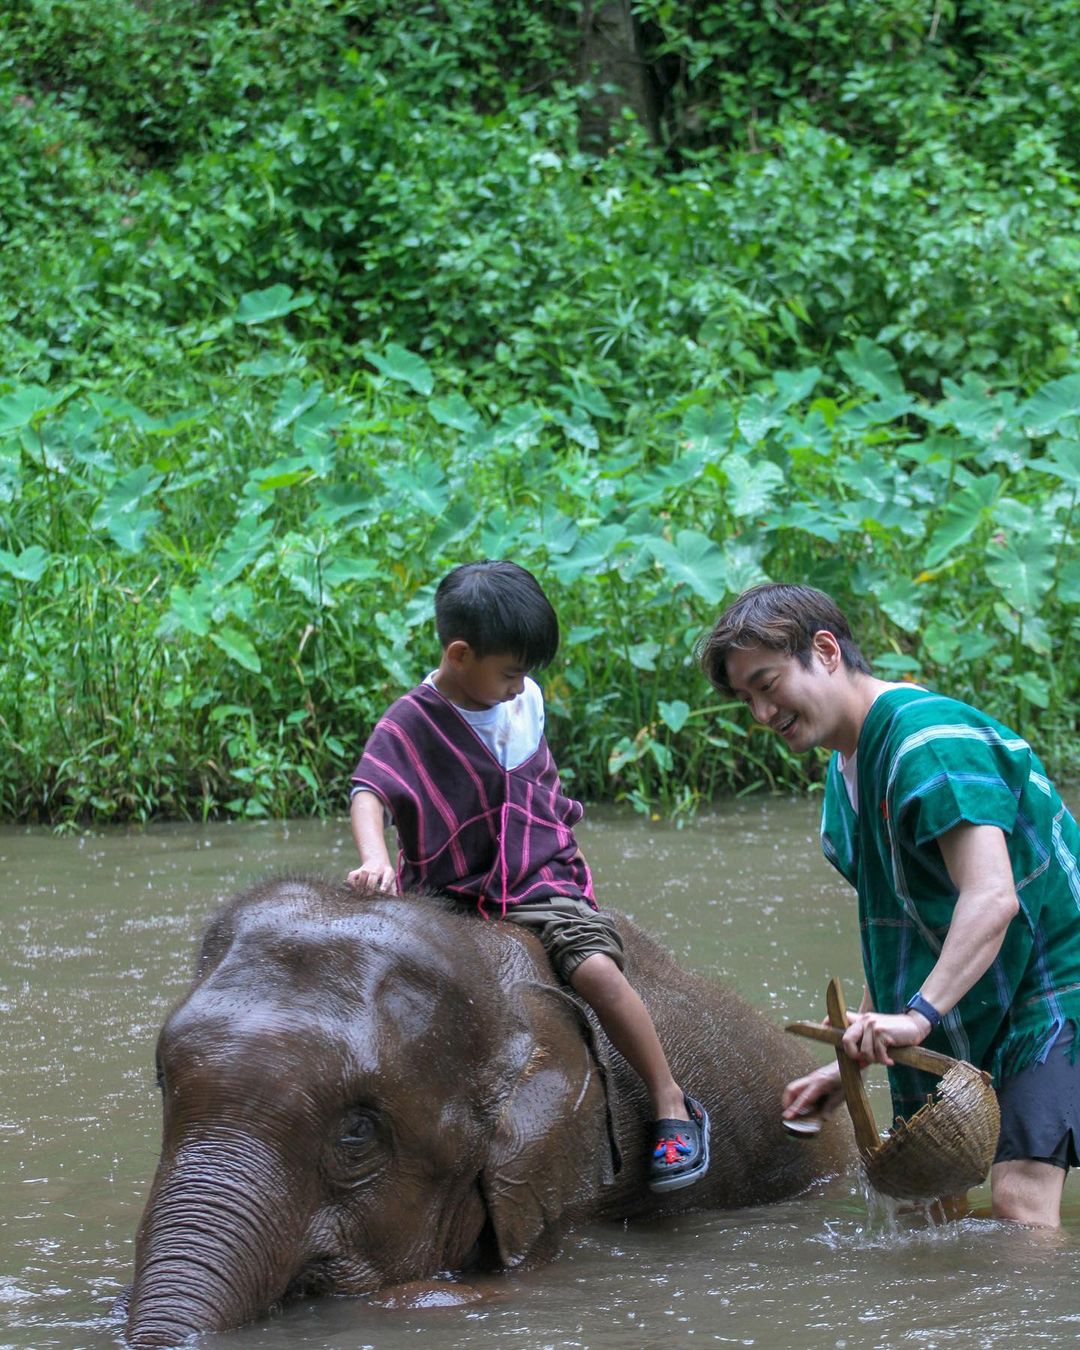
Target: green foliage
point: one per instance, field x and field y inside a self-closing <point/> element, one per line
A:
<point x="245" y="599"/>
<point x="303" y="302"/>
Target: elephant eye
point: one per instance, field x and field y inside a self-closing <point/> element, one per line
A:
<point x="358" y="1128"/>
<point x="159" y="1075"/>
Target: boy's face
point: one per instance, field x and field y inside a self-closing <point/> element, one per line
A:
<point x="803" y="705"/>
<point x="479" y="682"/>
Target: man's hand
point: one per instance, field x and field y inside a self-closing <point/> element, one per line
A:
<point x="374" y="878"/>
<point x="870" y="1034"/>
<point x="819" y="1093"/>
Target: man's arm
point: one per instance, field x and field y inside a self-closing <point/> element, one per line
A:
<point x="977" y="860"/>
<point x="376" y="872"/>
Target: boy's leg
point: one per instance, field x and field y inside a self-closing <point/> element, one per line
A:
<point x="585" y="949"/>
<point x="681" y="1128"/>
<point x="630" y="1029"/>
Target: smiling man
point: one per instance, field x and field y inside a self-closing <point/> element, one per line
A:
<point x="965" y="863"/>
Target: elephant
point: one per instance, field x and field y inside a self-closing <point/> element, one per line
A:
<point x="361" y="1092"/>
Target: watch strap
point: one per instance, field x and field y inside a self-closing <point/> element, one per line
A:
<point x="916" y="1003"/>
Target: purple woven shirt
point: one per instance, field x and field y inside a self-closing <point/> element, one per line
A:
<point x="465" y="824"/>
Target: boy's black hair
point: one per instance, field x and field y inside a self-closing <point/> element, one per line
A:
<point x="782" y="617"/>
<point x="497" y="607"/>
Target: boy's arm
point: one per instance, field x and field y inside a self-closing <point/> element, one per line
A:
<point x="376" y="872"/>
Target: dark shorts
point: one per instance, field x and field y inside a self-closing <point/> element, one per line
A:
<point x="570" y="930"/>
<point x="1040" y="1110"/>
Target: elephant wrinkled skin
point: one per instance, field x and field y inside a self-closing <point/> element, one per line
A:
<point x="363" y="1092"/>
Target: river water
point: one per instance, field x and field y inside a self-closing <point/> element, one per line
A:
<point x="96" y="940"/>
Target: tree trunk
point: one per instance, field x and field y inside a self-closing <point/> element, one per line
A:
<point x="611" y="58"/>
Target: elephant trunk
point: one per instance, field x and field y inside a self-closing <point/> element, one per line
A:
<point x="218" y="1243"/>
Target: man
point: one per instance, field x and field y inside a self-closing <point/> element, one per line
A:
<point x="965" y="863"/>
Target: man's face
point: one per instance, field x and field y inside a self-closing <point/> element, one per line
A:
<point x="799" y="703"/>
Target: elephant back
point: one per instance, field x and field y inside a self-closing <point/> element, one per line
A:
<point x="730" y="1057"/>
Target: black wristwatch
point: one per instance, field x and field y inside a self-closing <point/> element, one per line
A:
<point x="916" y="1003"/>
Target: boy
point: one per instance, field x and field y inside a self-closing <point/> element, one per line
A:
<point x="965" y="864"/>
<point x="462" y="766"/>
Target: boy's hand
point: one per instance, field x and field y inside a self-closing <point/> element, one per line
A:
<point x="374" y="878"/>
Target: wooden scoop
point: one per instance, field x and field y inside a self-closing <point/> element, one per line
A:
<point x="946" y="1147"/>
<point x="858" y="1104"/>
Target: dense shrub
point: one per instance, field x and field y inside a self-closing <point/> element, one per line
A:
<point x="303" y="302"/>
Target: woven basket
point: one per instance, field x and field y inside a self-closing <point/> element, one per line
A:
<point x="946" y="1147"/>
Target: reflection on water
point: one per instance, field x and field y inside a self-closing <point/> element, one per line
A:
<point x="98" y="935"/>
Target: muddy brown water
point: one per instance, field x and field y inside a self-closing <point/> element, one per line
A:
<point x="96" y="940"/>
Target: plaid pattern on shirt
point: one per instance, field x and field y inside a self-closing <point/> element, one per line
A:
<point x="927" y="763"/>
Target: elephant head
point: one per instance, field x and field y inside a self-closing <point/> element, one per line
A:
<point x="359" y="1093"/>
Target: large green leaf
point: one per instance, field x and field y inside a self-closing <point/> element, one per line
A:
<point x="872" y="368"/>
<point x="1033" y="687"/>
<point x="673" y="714"/>
<point x="1051" y="405"/>
<point x="29" y="565"/>
<point x="129" y="529"/>
<point x="752" y="485"/>
<point x="971" y="408"/>
<point x="246" y="542"/>
<point x="578" y="428"/>
<point x="351" y="569"/>
<point x="455" y="412"/>
<point x="398" y="363"/>
<point x="458" y="521"/>
<point x="23" y="405"/>
<point x="693" y="560"/>
<point x="191" y="609"/>
<point x="272" y="303"/>
<point x="643" y="654"/>
<point x="294" y="400"/>
<point x="903" y="601"/>
<point x="343" y="502"/>
<point x="313" y="430"/>
<point x="813" y="519"/>
<point x="1023" y="570"/>
<point x="520" y="426"/>
<point x="708" y="429"/>
<point x="239" y="648"/>
<point x="593" y="552"/>
<point x="794" y="386"/>
<point x="1063" y="461"/>
<point x="423" y="484"/>
<point x="1069" y="583"/>
<point x="119" y="512"/>
<point x="961" y="517"/>
<point x="758" y="416"/>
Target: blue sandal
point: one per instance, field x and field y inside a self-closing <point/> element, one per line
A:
<point x="681" y="1150"/>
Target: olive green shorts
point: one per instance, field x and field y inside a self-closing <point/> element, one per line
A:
<point x="570" y="930"/>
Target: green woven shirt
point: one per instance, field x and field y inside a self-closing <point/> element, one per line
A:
<point x="925" y="764"/>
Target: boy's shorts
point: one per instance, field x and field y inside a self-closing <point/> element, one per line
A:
<point x="570" y="930"/>
<point x="1040" y="1110"/>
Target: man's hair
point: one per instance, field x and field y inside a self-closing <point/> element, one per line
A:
<point x="783" y="618"/>
<point x="497" y="607"/>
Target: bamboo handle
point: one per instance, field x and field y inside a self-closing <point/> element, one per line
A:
<point x="914" y="1056"/>
<point x="858" y="1104"/>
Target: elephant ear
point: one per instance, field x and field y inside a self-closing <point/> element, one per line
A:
<point x="553" y="1146"/>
